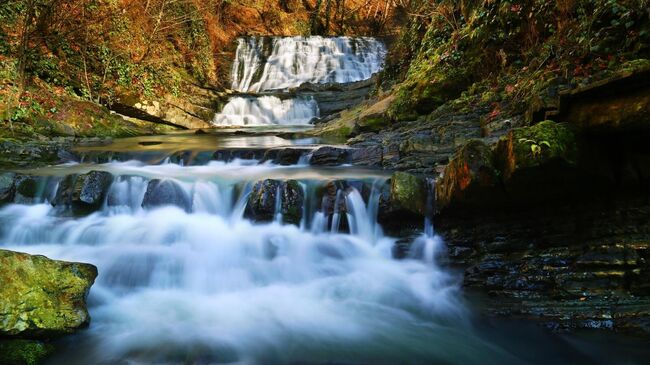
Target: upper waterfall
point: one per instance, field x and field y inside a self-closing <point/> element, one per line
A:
<point x="276" y="63"/>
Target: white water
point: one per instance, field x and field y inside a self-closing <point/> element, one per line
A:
<point x="267" y="110"/>
<point x="213" y="287"/>
<point x="263" y="64"/>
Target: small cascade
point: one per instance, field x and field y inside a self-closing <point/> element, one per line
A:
<point x="267" y="110"/>
<point x="429" y="247"/>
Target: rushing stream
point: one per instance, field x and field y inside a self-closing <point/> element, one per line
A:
<point x="196" y="280"/>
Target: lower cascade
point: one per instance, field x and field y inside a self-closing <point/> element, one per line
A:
<point x="186" y="274"/>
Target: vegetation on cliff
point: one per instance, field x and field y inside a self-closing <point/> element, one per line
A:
<point x="58" y="58"/>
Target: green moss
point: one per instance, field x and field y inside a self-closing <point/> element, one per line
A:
<point x="42" y="297"/>
<point x="535" y="146"/>
<point x="24" y="352"/>
<point x="409" y="192"/>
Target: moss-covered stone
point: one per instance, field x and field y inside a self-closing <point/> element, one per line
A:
<point x="40" y="297"/>
<point x="24" y="352"/>
<point x="409" y="193"/>
<point x="469" y="178"/>
<point x="534" y="146"/>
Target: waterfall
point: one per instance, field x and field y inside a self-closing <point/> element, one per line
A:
<point x="267" y="110"/>
<point x="184" y="277"/>
<point x="264" y="64"/>
<point x="278" y="63"/>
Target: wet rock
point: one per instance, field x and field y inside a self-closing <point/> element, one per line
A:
<point x="64" y="191"/>
<point x="24" y="352"/>
<point x="27" y="188"/>
<point x="469" y="178"/>
<point x="330" y="156"/>
<point x="228" y="155"/>
<point x="40" y="297"/>
<point x="263" y="199"/>
<point x="284" y="156"/>
<point x="367" y="156"/>
<point x="90" y="189"/>
<point x="165" y="192"/>
<point x="404" y="200"/>
<point x="333" y="199"/>
<point x="7" y="188"/>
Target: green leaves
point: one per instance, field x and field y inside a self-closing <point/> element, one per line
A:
<point x="536" y="147"/>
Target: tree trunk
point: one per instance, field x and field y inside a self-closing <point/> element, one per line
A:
<point x="328" y="9"/>
<point x="314" y="17"/>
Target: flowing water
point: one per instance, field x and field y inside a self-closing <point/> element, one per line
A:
<point x="267" y="110"/>
<point x="264" y="64"/>
<point x="196" y="280"/>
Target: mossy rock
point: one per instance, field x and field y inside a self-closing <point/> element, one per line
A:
<point x="24" y="352"/>
<point x="540" y="144"/>
<point x="470" y="178"/>
<point x="42" y="298"/>
<point x="409" y="193"/>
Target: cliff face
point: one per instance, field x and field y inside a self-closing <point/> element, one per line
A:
<point x="531" y="114"/>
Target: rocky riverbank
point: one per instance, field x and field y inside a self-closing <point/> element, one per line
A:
<point x="545" y="211"/>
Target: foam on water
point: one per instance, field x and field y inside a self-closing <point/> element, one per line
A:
<point x="267" y="110"/>
<point x="210" y="286"/>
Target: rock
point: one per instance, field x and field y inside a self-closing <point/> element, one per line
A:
<point x="469" y="178"/>
<point x="367" y="156"/>
<point x="330" y="156"/>
<point x="42" y="298"/>
<point x="621" y="101"/>
<point x="24" y="352"/>
<point x="375" y="118"/>
<point x="263" y="200"/>
<point x="284" y="156"/>
<point x="7" y="188"/>
<point x="27" y="188"/>
<point x="406" y="200"/>
<point x="165" y="192"/>
<point x="90" y="189"/>
<point x="538" y="163"/>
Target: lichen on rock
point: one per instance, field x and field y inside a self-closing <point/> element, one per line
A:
<point x="42" y="298"/>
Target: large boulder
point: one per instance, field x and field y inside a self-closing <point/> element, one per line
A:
<point x="469" y="178"/>
<point x="263" y="199"/>
<point x="166" y="192"/>
<point x="42" y="298"/>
